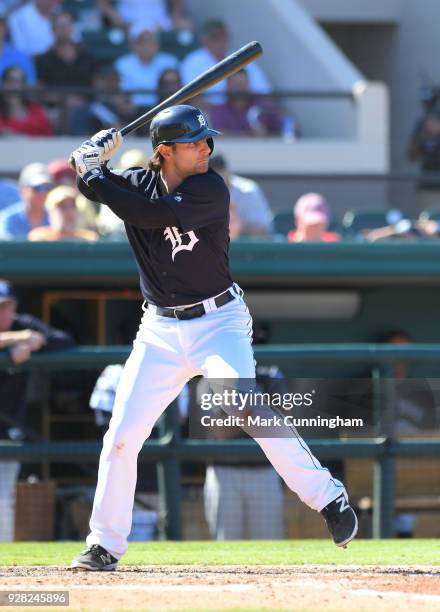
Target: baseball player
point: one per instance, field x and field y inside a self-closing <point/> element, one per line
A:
<point x="195" y="319"/>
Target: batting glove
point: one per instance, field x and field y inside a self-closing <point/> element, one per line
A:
<point x="88" y="162"/>
<point x="108" y="142"/>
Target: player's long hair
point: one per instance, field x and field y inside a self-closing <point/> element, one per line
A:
<point x="155" y="162"/>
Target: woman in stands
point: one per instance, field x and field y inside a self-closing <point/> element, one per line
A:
<point x="19" y="114"/>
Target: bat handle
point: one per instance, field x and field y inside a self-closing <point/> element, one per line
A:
<point x="71" y="162"/>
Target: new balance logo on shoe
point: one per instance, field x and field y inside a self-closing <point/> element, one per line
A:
<point x="343" y="504"/>
<point x="106" y="558"/>
<point x="341" y="520"/>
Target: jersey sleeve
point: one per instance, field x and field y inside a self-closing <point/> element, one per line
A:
<point x="201" y="200"/>
<point x="118" y="192"/>
<point x="126" y="180"/>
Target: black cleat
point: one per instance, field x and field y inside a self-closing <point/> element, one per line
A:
<point x="341" y="520"/>
<point x="95" y="559"/>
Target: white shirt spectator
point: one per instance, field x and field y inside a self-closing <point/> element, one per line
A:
<point x="201" y="59"/>
<point x="31" y="32"/>
<point x="135" y="74"/>
<point x="252" y="205"/>
<point x="151" y="13"/>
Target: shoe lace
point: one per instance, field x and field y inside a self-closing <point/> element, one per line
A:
<point x="94" y="549"/>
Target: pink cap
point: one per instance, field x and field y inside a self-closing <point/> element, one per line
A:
<point x="58" y="168"/>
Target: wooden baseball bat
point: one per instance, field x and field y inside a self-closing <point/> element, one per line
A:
<point x="222" y="70"/>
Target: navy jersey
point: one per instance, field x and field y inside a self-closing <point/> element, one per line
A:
<point x="180" y="240"/>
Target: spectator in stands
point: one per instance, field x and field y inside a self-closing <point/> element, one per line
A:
<point x="311" y="217"/>
<point x="154" y="15"/>
<point x="181" y="39"/>
<point x="86" y="15"/>
<point x="19" y="114"/>
<point x="179" y="17"/>
<point x="142" y="68"/>
<point x="65" y="64"/>
<point x="9" y="193"/>
<point x="214" y="39"/>
<point x="16" y="221"/>
<point x="424" y="147"/>
<point x="11" y="5"/>
<point x="61" y="173"/>
<point x="30" y="26"/>
<point x="10" y="56"/>
<point x="248" y="198"/>
<point x="169" y="83"/>
<point x="63" y="218"/>
<point x="21" y="335"/>
<point x="244" y="500"/>
<point x="108" y="106"/>
<point x="245" y="114"/>
<point x="404" y="229"/>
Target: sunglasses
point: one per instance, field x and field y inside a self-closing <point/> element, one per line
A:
<point x="42" y="187"/>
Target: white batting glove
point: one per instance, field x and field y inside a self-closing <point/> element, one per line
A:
<point x="108" y="141"/>
<point x="88" y="161"/>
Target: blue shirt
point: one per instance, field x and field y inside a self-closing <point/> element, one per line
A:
<point x="136" y="74"/>
<point x="14" y="224"/>
<point x="13" y="57"/>
<point x="9" y="193"/>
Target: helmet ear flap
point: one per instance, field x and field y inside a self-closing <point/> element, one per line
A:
<point x="210" y="142"/>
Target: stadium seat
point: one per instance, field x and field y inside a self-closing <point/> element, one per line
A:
<point x="283" y="221"/>
<point x="104" y="45"/>
<point x="356" y="220"/>
<point x="177" y="43"/>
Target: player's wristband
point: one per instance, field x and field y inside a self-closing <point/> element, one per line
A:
<point x="92" y="174"/>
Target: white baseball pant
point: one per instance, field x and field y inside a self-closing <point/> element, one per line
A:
<point x="166" y="354"/>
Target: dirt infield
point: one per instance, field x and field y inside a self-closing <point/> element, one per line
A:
<point x="307" y="587"/>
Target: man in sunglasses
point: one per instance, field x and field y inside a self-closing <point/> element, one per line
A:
<point x="17" y="220"/>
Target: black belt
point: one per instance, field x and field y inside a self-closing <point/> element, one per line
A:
<point x="192" y="312"/>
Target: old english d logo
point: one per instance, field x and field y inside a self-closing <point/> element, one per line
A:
<point x="180" y="242"/>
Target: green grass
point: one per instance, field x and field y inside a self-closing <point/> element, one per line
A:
<point x="285" y="552"/>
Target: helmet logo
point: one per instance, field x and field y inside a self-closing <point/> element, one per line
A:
<point x="178" y="197"/>
<point x="180" y="242"/>
<point x="202" y="120"/>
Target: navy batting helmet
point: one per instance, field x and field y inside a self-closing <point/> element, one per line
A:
<point x="181" y="123"/>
